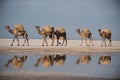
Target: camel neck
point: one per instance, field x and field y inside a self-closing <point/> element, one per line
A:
<point x="11" y="31"/>
<point x="78" y="32"/>
<point x="39" y="31"/>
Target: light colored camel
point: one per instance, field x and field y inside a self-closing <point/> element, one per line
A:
<point x="105" y="34"/>
<point x="16" y="61"/>
<point x="60" y="32"/>
<point x="85" y="34"/>
<point x="85" y="59"/>
<point x="45" y="32"/>
<point x="104" y="60"/>
<point x="45" y="60"/>
<point x="18" y="31"/>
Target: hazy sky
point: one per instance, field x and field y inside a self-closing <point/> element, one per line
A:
<point x="70" y="14"/>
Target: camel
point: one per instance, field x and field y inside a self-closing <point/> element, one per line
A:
<point x="104" y="60"/>
<point x="45" y="32"/>
<point x="105" y="34"/>
<point x="60" y="32"/>
<point x="85" y="34"/>
<point x="16" y="61"/>
<point x="46" y="61"/>
<point x="18" y="31"/>
<point x="59" y="60"/>
<point x="85" y="59"/>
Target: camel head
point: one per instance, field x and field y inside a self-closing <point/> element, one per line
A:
<point x="37" y="27"/>
<point x="77" y="30"/>
<point x="99" y="30"/>
<point x="7" y="27"/>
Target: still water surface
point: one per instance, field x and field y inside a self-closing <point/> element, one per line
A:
<point x="107" y="66"/>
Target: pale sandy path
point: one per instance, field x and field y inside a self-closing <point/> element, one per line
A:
<point x="72" y="48"/>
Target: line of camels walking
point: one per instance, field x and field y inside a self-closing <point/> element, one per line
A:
<point x="59" y="60"/>
<point x="59" y="32"/>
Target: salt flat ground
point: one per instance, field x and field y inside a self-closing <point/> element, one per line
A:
<point x="73" y="47"/>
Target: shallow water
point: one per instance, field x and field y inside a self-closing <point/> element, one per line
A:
<point x="68" y="64"/>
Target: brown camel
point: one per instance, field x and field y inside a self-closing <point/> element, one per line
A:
<point x="60" y="59"/>
<point x="85" y="34"/>
<point x="45" y="32"/>
<point x="45" y="60"/>
<point x="85" y="59"/>
<point x="16" y="61"/>
<point x="105" y="34"/>
<point x="60" y="32"/>
<point x="104" y="60"/>
<point x="18" y="31"/>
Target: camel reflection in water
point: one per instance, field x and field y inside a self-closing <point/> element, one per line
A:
<point x="45" y="60"/>
<point x="48" y="60"/>
<point x="84" y="59"/>
<point x="104" y="60"/>
<point x="16" y="61"/>
<point x="59" y="60"/>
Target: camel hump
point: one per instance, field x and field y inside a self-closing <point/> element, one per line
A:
<point x="19" y="27"/>
<point x="60" y="29"/>
<point x="86" y="30"/>
<point x="47" y="28"/>
<point x="106" y="30"/>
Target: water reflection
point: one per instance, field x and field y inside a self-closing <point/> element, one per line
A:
<point x="60" y="59"/>
<point x="102" y="65"/>
<point x="84" y="59"/>
<point x="48" y="60"/>
<point x="16" y="61"/>
<point x="104" y="60"/>
<point x="45" y="60"/>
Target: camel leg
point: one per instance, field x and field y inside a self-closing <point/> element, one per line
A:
<point x="52" y="37"/>
<point x="109" y="44"/>
<point x="63" y="41"/>
<point x="66" y="42"/>
<point x="57" y="41"/>
<point x="52" y="41"/>
<point x="17" y="40"/>
<point x="78" y="60"/>
<point x="103" y="39"/>
<point x="46" y="41"/>
<point x="86" y="41"/>
<point x="27" y="41"/>
<point x="91" y="40"/>
<point x="37" y="63"/>
<point x="81" y="42"/>
<point x="103" y="42"/>
<point x="13" y="41"/>
<point x="43" y="41"/>
<point x="24" y="41"/>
